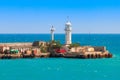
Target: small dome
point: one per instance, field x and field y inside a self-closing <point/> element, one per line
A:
<point x="68" y="24"/>
<point x="52" y="28"/>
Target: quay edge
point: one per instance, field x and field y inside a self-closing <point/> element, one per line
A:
<point x="41" y="49"/>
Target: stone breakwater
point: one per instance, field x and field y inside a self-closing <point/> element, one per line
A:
<point x="15" y="44"/>
<point x="17" y="56"/>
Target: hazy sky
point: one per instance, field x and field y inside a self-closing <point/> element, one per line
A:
<point x="37" y="16"/>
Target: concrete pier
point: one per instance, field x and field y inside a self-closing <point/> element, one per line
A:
<point x="16" y="56"/>
<point x="83" y="56"/>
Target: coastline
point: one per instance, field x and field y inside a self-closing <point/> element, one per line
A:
<point x="32" y="50"/>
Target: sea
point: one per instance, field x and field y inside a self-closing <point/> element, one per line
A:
<point x="62" y="68"/>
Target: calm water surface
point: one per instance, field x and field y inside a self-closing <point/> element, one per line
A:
<point x="61" y="68"/>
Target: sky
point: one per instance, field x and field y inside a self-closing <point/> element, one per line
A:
<point x="37" y="16"/>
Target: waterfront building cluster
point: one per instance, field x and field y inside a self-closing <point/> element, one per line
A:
<point x="53" y="48"/>
<point x="21" y="50"/>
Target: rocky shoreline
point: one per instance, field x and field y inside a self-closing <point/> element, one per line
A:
<point x="48" y="55"/>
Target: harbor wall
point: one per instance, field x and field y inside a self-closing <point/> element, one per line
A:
<point x="15" y="44"/>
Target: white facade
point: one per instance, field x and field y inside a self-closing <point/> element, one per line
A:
<point x="68" y="30"/>
<point x="52" y="33"/>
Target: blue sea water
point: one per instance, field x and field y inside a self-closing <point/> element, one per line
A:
<point x="61" y="68"/>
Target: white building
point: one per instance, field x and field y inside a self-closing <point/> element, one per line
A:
<point x="52" y="33"/>
<point x="68" y="30"/>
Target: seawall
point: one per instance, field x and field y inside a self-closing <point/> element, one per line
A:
<point x="15" y="44"/>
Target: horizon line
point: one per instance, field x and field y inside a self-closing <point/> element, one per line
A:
<point x="59" y="33"/>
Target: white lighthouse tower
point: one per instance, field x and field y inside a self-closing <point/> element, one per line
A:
<point x="52" y="29"/>
<point x="68" y="30"/>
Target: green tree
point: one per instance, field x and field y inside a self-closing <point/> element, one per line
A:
<point x="43" y="49"/>
<point x="74" y="45"/>
<point x="55" y="44"/>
